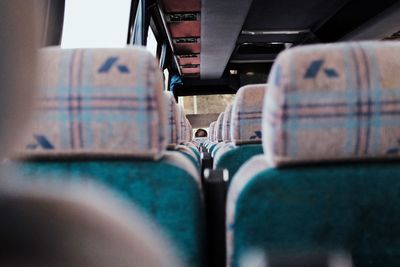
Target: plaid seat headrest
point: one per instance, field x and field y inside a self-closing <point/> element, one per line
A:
<point x="173" y="125"/>
<point x="98" y="102"/>
<point x="226" y="123"/>
<point x="333" y="102"/>
<point x="183" y="125"/>
<point x="218" y="127"/>
<point x="189" y="130"/>
<point x="246" y="122"/>
<point x="211" y="131"/>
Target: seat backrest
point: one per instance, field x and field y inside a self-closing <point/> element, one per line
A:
<point x="330" y="137"/>
<point x="226" y="127"/>
<point x="184" y="126"/>
<point x="76" y="224"/>
<point x="246" y="114"/>
<point x="339" y="104"/>
<point x="173" y="125"/>
<point x="189" y="131"/>
<point x="102" y="116"/>
<point x="245" y="129"/>
<point x="218" y="127"/>
<point x="58" y="224"/>
<point x="94" y="103"/>
<point x="212" y="131"/>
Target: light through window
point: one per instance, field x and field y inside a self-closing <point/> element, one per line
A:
<point x="95" y="23"/>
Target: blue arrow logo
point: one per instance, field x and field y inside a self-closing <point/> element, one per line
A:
<point x="41" y="141"/>
<point x="109" y="63"/>
<point x="316" y="66"/>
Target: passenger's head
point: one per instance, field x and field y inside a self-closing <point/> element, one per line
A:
<point x="201" y="133"/>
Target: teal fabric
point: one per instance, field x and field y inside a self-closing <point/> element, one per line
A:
<point x="233" y="159"/>
<point x="191" y="158"/>
<point x="168" y="194"/>
<point x="196" y="152"/>
<point x="211" y="149"/>
<point x="353" y="207"/>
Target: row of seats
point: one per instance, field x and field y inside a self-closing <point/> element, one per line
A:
<point x="327" y="177"/>
<point x="238" y="130"/>
<point x="102" y="116"/>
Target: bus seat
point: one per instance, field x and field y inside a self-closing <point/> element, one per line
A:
<point x="225" y="132"/>
<point x="173" y="137"/>
<point x="226" y="128"/>
<point x="329" y="175"/>
<point x="76" y="224"/>
<point x="218" y="134"/>
<point x="218" y="129"/>
<point x="211" y="131"/>
<point x="184" y="138"/>
<point x="245" y="129"/>
<point x="173" y="126"/>
<point x="101" y="116"/>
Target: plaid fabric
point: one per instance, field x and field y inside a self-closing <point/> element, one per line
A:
<point x="247" y="114"/>
<point x="226" y="124"/>
<point x="189" y="131"/>
<point x="337" y="101"/>
<point x="98" y="101"/>
<point x="218" y="128"/>
<point x="211" y="131"/>
<point x="183" y="125"/>
<point x="173" y="126"/>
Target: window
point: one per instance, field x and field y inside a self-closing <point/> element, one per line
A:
<point x="206" y="104"/>
<point x="95" y="23"/>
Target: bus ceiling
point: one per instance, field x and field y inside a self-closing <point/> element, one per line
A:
<point x="211" y="40"/>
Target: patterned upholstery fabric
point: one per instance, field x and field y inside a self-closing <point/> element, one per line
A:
<point x="183" y="124"/>
<point x="222" y="150"/>
<point x="232" y="157"/>
<point x="110" y="102"/>
<point x="212" y="131"/>
<point x="218" y="128"/>
<point x="217" y="148"/>
<point x="173" y="126"/>
<point x="246" y="114"/>
<point x="98" y="101"/>
<point x="190" y="154"/>
<point x="168" y="194"/>
<point x="243" y="176"/>
<point x="348" y="207"/>
<point x="331" y="102"/>
<point x="226" y="123"/>
<point x="324" y="102"/>
<point x="189" y="131"/>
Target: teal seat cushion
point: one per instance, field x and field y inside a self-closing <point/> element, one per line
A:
<point x="196" y="152"/>
<point x="350" y="207"/>
<point x="166" y="193"/>
<point x="212" y="147"/>
<point x="233" y="159"/>
<point x="192" y="159"/>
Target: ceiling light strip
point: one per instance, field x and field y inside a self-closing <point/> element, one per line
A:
<point x="280" y="32"/>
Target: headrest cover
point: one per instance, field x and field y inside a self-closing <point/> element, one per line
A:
<point x="98" y="101"/>
<point x="333" y="102"/>
<point x="218" y="127"/>
<point x="182" y="121"/>
<point x="226" y="123"/>
<point x="189" y="130"/>
<point x="173" y="126"/>
<point x="211" y="131"/>
<point x="247" y="114"/>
